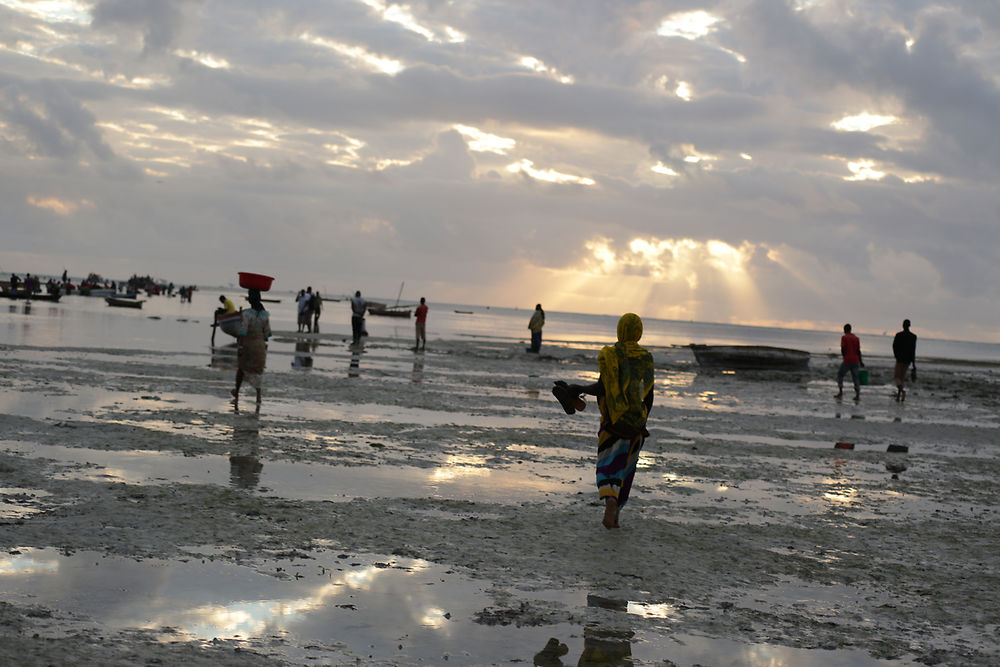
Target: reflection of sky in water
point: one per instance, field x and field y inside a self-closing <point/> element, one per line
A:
<point x="456" y="477"/>
<point x="392" y="609"/>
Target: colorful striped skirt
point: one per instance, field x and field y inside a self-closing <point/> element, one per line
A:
<point x="617" y="457"/>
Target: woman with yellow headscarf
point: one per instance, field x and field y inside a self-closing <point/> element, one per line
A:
<point x="624" y="394"/>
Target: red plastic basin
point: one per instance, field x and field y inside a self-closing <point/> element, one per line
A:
<point x="255" y="281"/>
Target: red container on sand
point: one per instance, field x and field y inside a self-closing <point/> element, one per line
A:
<point x="255" y="281"/>
<point x="844" y="445"/>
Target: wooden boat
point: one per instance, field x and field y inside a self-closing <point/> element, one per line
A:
<point x="25" y="295"/>
<point x="388" y="311"/>
<point x="750" y="357"/>
<point x="377" y="308"/>
<point x="97" y="291"/>
<point x="229" y="323"/>
<point x="123" y="303"/>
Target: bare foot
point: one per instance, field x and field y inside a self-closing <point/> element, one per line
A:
<point x="610" y="519"/>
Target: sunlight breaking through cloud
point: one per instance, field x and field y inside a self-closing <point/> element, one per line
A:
<point x="862" y="122"/>
<point x="689" y="25"/>
<point x="403" y="16"/>
<point x="864" y="170"/>
<point x="664" y="259"/>
<point x="484" y="142"/>
<point x="382" y="64"/>
<point x="536" y="65"/>
<point x="550" y="175"/>
<point x="661" y="168"/>
<point x="70" y="11"/>
<point x="206" y="59"/>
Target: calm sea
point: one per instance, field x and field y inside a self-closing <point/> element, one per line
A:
<point x="169" y="324"/>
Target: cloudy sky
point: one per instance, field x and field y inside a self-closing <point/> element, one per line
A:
<point x="800" y="163"/>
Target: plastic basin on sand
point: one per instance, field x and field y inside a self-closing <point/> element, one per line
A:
<point x="255" y="281"/>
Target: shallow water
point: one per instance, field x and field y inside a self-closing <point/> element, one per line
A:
<point x="384" y="609"/>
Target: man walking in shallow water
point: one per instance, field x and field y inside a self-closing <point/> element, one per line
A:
<point x="850" y="349"/>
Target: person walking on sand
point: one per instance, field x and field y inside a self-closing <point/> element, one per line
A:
<point x="624" y="392"/>
<point x="255" y="329"/>
<point x="358" y="307"/>
<point x="421" y="324"/>
<point x="904" y="348"/>
<point x="535" y="324"/>
<point x="850" y="350"/>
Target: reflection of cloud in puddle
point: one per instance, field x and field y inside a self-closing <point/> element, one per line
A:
<point x="26" y="563"/>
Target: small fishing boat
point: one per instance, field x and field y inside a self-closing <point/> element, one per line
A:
<point x="123" y="303"/>
<point x="377" y="308"/>
<point x="388" y="311"/>
<point x="97" y="291"/>
<point x="750" y="357"/>
<point x="28" y="296"/>
<point x="229" y="323"/>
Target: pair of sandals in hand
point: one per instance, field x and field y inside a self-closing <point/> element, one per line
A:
<point x="570" y="401"/>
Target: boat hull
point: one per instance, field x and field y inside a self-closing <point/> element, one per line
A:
<point x="123" y="303"/>
<point x="230" y="324"/>
<point x="388" y="312"/>
<point x="37" y="296"/>
<point x="750" y="357"/>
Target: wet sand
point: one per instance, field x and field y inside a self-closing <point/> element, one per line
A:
<point x="397" y="508"/>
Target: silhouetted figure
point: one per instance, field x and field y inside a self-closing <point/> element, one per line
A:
<point x="904" y="348"/>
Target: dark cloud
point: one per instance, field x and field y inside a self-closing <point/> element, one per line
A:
<point x="158" y="21"/>
<point x="48" y="121"/>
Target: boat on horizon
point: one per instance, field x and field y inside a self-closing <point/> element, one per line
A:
<point x="750" y="357"/>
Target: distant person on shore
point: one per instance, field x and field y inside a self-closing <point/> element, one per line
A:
<point x="317" y="307"/>
<point x="421" y="324"/>
<point x="536" y="323"/>
<point x="255" y="329"/>
<point x="904" y="348"/>
<point x="850" y="350"/>
<point x="624" y="394"/>
<point x="358" y="308"/>
<point x="14" y="282"/>
<point x="304" y="301"/>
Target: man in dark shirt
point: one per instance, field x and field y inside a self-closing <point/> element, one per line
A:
<point x="904" y="348"/>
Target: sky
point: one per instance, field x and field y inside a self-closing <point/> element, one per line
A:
<point x="800" y="163"/>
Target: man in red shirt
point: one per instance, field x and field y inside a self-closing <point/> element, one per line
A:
<point x="421" y="313"/>
<point x="850" y="349"/>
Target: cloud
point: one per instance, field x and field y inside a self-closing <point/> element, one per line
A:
<point x="44" y="119"/>
<point x="159" y="22"/>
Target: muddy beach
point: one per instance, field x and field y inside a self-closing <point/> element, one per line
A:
<point x="387" y="507"/>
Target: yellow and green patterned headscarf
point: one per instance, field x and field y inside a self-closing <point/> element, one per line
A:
<point x="627" y="374"/>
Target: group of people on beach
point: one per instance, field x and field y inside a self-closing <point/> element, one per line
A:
<point x="309" y="305"/>
<point x="904" y="350"/>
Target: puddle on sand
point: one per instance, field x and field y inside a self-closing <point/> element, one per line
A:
<point x="312" y="481"/>
<point x="376" y="608"/>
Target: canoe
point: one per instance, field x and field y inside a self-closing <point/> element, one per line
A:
<point x="124" y="303"/>
<point x="97" y="291"/>
<point x="750" y="357"/>
<point x="388" y="311"/>
<point x="37" y="296"/>
<point x="230" y="323"/>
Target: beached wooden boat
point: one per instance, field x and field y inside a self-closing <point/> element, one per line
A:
<point x="123" y="303"/>
<point x="750" y="357"/>
<point x="25" y="295"/>
<point x="97" y="291"/>
<point x="229" y="323"/>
